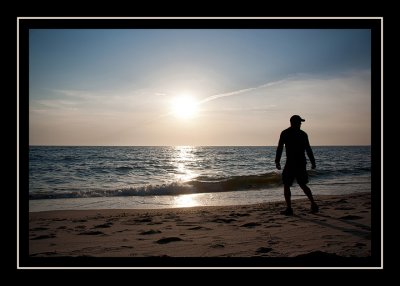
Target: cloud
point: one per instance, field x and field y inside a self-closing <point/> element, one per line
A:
<point x="83" y="94"/>
<point x="56" y="104"/>
<point x="217" y="96"/>
<point x="243" y="109"/>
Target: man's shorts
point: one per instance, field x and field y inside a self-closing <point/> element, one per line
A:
<point x="294" y="172"/>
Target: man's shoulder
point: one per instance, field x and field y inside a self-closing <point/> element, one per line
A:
<point x="289" y="130"/>
<point x="303" y="132"/>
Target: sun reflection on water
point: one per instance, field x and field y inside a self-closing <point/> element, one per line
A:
<point x="185" y="201"/>
<point x="184" y="157"/>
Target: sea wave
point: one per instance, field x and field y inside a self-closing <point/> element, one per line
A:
<point x="200" y="185"/>
<point x="208" y="184"/>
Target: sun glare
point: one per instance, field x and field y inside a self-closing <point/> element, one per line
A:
<point x="184" y="106"/>
<point x="185" y="201"/>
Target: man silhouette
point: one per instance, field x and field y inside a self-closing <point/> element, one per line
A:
<point x="296" y="143"/>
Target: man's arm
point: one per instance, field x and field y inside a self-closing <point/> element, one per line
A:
<point x="279" y="151"/>
<point x="310" y="153"/>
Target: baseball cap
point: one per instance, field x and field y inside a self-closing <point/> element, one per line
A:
<point x="296" y="118"/>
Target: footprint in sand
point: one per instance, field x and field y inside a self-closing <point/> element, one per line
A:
<point x="143" y="220"/>
<point x="264" y="250"/>
<point x="91" y="233"/>
<point x="250" y="224"/>
<point x="59" y="219"/>
<point x="199" y="227"/>
<point x="217" y="245"/>
<point x="224" y="220"/>
<point x="344" y="208"/>
<point x="168" y="240"/>
<point x="104" y="225"/>
<point x="122" y="230"/>
<point x="152" y="231"/>
<point x="274" y="225"/>
<point x="79" y="220"/>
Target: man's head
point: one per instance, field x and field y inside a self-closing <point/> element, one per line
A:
<point x="295" y="121"/>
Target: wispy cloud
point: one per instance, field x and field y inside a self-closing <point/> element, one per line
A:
<point x="56" y="103"/>
<point x="236" y="92"/>
<point x="243" y="109"/>
<point x="83" y="94"/>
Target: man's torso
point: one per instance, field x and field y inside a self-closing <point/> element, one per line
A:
<point x="295" y="141"/>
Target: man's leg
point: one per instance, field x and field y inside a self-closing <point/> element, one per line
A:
<point x="288" y="194"/>
<point x="287" y="178"/>
<point x="307" y="191"/>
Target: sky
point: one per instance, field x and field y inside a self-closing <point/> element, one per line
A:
<point x="215" y="87"/>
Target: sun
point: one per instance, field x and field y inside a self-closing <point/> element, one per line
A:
<point x="184" y="106"/>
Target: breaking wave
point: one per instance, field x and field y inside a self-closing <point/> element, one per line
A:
<point x="199" y="185"/>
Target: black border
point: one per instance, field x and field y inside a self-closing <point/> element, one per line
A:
<point x="220" y="23"/>
<point x="373" y="24"/>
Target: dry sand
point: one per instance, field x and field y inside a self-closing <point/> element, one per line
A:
<point x="341" y="228"/>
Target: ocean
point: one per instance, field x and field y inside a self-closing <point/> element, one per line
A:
<point x="62" y="178"/>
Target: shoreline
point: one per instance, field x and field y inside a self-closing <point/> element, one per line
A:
<point x="342" y="228"/>
<point x="228" y="198"/>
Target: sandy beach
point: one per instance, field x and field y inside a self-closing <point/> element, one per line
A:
<point x="342" y="228"/>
